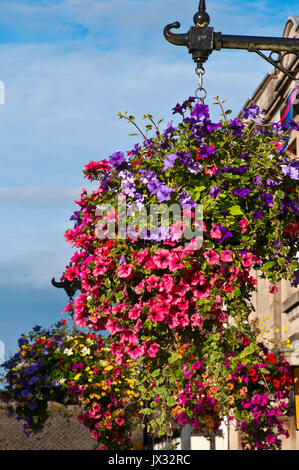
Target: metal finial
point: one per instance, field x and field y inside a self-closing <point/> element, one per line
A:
<point x="201" y="18"/>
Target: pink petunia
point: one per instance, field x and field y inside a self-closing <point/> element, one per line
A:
<point x="243" y="225"/>
<point x="175" y="263"/>
<point x="215" y="232"/>
<point x="140" y="287"/>
<point x="119" y="421"/>
<point x="247" y="260"/>
<point x="166" y="283"/>
<point x="134" y="312"/>
<point x="202" y="292"/>
<point x="112" y="326"/>
<point x="156" y="314"/>
<point x="152" y="283"/>
<point x="226" y="256"/>
<point x="134" y="350"/>
<point x="211" y="256"/>
<point x="210" y="171"/>
<point x="101" y="165"/>
<point x="161" y="258"/>
<point x="142" y="255"/>
<point x="125" y="271"/>
<point x="196" y="320"/>
<point x="182" y="320"/>
<point x="151" y="348"/>
<point x="71" y="272"/>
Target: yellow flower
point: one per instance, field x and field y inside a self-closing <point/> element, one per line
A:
<point x="77" y="376"/>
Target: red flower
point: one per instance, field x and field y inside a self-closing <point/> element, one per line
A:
<point x="245" y="340"/>
<point x="276" y="383"/>
<point x="251" y="372"/>
<point x="270" y="358"/>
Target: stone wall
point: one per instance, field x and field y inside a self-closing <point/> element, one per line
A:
<point x="62" y="432"/>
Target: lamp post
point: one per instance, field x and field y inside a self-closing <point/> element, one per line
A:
<point x="201" y="41"/>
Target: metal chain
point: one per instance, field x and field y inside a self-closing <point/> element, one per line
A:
<point x="200" y="71"/>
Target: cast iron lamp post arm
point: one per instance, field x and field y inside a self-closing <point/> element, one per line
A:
<point x="201" y="41"/>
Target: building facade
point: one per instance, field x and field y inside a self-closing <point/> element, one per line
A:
<point x="278" y="314"/>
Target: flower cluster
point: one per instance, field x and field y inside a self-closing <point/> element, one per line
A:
<point x="72" y="367"/>
<point x="154" y="288"/>
<point x="250" y="386"/>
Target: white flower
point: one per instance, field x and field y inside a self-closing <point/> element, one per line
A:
<point x="68" y="351"/>
<point x="85" y="351"/>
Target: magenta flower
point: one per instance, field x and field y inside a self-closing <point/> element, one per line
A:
<point x="196" y="365"/>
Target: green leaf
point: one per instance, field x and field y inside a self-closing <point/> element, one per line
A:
<point x="119" y="296"/>
<point x="156" y="373"/>
<point x="280" y="194"/>
<point x="235" y="210"/>
<point x="171" y="401"/>
<point x="249" y="350"/>
<point x="173" y="358"/>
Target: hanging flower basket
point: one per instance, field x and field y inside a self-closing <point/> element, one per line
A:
<point x="167" y="247"/>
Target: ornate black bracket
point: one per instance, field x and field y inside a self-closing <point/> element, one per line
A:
<point x="201" y="41"/>
<point x="69" y="287"/>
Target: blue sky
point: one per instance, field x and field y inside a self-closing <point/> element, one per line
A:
<point x="69" y="66"/>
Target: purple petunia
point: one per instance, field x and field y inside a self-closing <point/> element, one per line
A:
<point x="257" y="215"/>
<point x="225" y="233"/>
<point x="200" y="110"/>
<point x="214" y="192"/>
<point x="291" y="170"/>
<point x="122" y="260"/>
<point x="236" y="126"/>
<point x="169" y="161"/>
<point x="153" y="185"/>
<point x="252" y="113"/>
<point x="164" y="193"/>
<point x="117" y="159"/>
<point x="241" y="192"/>
<point x="268" y="199"/>
<point x="186" y="199"/>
